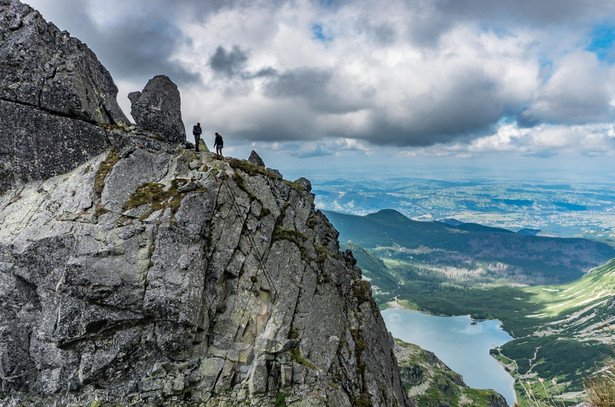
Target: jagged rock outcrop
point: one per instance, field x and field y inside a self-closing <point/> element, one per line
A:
<point x="43" y="67"/>
<point x="158" y="109"/>
<point x="135" y="272"/>
<point x="256" y="159"/>
<point x="157" y="275"/>
<point x="54" y="95"/>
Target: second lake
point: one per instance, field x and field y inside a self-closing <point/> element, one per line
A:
<point x="462" y="344"/>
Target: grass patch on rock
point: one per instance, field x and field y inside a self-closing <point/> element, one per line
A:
<point x="158" y="197"/>
<point x="296" y="356"/>
<point x="103" y="170"/>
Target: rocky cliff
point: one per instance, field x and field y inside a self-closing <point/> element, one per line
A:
<point x="135" y="272"/>
<point x="56" y="98"/>
<point x="144" y="276"/>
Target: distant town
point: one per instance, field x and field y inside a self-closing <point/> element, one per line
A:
<point x="546" y="209"/>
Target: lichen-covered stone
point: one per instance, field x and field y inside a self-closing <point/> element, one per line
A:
<point x="157" y="108"/>
<point x="228" y="291"/>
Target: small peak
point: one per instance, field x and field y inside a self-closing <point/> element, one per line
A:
<point x="256" y="159"/>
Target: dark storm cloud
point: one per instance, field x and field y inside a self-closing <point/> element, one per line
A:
<point x="430" y="20"/>
<point x="381" y="33"/>
<point x="313" y="86"/>
<point x="305" y="82"/>
<point x="229" y="63"/>
<point x="264" y="73"/>
<point x="384" y="34"/>
<point x="544" y="12"/>
<point x="148" y="53"/>
<point x="468" y="108"/>
<point x="135" y="46"/>
<point x="232" y="64"/>
<point x="569" y="109"/>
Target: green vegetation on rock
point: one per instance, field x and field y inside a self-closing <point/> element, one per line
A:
<point x="430" y="383"/>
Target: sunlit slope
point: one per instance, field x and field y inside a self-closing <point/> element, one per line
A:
<point x="592" y="292"/>
<point x="566" y="337"/>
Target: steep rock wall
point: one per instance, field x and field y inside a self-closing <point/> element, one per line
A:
<point x="156" y="275"/>
<point x="54" y="94"/>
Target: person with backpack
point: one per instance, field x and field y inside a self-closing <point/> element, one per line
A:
<point x="197" y="131"/>
<point x="219" y="143"/>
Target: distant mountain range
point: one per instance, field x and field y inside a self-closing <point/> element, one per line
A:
<point x="471" y="252"/>
<point x="554" y="208"/>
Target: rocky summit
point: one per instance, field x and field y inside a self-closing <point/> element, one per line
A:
<point x="149" y="276"/>
<point x="135" y="272"/>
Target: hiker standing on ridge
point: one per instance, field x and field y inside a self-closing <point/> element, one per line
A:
<point x="219" y="143"/>
<point x="196" y="130"/>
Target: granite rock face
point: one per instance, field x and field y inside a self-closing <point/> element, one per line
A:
<point x="54" y="97"/>
<point x="156" y="275"/>
<point x="158" y="109"/>
<point x="45" y="68"/>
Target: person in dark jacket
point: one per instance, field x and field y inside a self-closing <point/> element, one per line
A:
<point x="219" y="143"/>
<point x="197" y="131"/>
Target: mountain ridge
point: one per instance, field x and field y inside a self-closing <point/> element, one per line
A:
<point x="498" y="254"/>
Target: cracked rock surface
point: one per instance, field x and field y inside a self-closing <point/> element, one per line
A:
<point x="54" y="94"/>
<point x="154" y="276"/>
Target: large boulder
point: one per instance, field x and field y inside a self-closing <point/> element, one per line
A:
<point x="158" y="109"/>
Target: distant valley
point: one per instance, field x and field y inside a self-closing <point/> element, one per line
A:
<point x="469" y="254"/>
<point x="460" y="269"/>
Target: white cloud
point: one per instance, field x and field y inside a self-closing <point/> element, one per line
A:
<point x="580" y="90"/>
<point x="435" y="77"/>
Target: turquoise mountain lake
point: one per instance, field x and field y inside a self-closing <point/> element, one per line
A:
<point x="460" y="342"/>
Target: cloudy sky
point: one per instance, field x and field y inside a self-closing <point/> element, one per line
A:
<point x="396" y="85"/>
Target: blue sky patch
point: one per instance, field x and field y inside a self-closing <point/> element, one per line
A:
<point x="601" y="42"/>
<point x="319" y="34"/>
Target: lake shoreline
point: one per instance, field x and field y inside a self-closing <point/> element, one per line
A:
<point x="397" y="305"/>
<point x="510" y="394"/>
